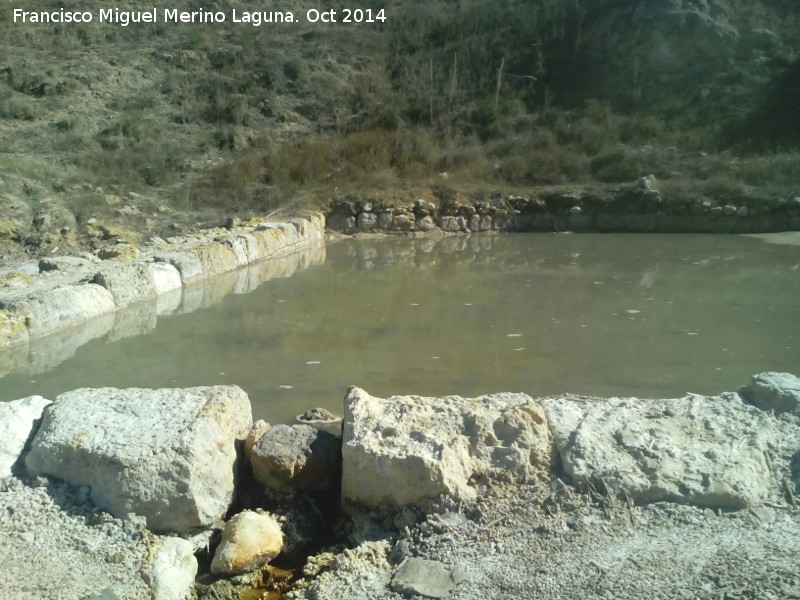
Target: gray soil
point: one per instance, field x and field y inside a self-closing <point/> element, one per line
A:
<point x="54" y="544"/>
<point x="511" y="544"/>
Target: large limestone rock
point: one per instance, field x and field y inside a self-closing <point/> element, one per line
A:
<point x="407" y="450"/>
<point x="708" y="451"/>
<point x="249" y="541"/>
<point x="295" y="458"/>
<point x="17" y="419"/>
<point x="779" y="392"/>
<point x="168" y="455"/>
<point x="47" y="311"/>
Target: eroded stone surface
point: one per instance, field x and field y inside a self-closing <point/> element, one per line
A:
<point x="407" y="450"/>
<point x="166" y="454"/>
<point x="708" y="451"/>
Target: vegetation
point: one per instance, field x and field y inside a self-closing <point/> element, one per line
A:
<point x="511" y="93"/>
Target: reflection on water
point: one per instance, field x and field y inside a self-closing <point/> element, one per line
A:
<point x="642" y="315"/>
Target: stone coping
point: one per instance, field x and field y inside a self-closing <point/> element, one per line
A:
<point x="71" y="290"/>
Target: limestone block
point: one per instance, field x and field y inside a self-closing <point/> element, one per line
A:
<point x="779" y="392"/>
<point x="407" y="450"/>
<point x="249" y="541"/>
<point x="188" y="265"/>
<point x="271" y="238"/>
<point x="215" y="258"/>
<point x="166" y="278"/>
<point x="246" y="249"/>
<point x="54" y="309"/>
<point x="296" y="457"/>
<point x="167" y="455"/>
<point x="17" y="421"/>
<point x="676" y="450"/>
<point x="128" y="282"/>
<point x="174" y="568"/>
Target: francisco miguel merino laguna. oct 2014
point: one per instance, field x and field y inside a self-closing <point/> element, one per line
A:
<point x="171" y="15"/>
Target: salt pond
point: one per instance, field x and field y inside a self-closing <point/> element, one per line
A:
<point x="639" y="315"/>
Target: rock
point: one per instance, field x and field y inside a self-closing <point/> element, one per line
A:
<point x="779" y="392"/>
<point x="675" y="450"/>
<point x="16" y="218"/>
<point x="128" y="282"/>
<point x="342" y="223"/>
<point x="168" y="455"/>
<point x="124" y="251"/>
<point x="249" y="541"/>
<point x="318" y="415"/>
<point x="17" y="422"/>
<point x="173" y="571"/>
<point x="50" y="310"/>
<point x="257" y="431"/>
<point x="64" y="263"/>
<point x="450" y="224"/>
<point x="215" y="258"/>
<point x="367" y="221"/>
<point x="425" y="224"/>
<point x="187" y="264"/>
<point x="403" y="223"/>
<point x="407" y="450"/>
<point x="647" y="183"/>
<point x="296" y="457"/>
<point x="428" y="578"/>
<point x="245" y="247"/>
<point x="166" y="278"/>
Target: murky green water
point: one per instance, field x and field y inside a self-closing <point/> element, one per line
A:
<point x="641" y="315"/>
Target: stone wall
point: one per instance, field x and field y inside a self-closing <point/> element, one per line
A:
<point x="637" y="208"/>
<point x="73" y="290"/>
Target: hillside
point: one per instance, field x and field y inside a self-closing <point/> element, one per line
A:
<point x="163" y="125"/>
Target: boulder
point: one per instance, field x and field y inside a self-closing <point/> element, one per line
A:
<point x="249" y="541"/>
<point x="407" y="450"/>
<point x="296" y="457"/>
<point x="678" y="450"/>
<point x="168" y="455"/>
<point x="171" y="576"/>
<point x="17" y="421"/>
<point x="779" y="392"/>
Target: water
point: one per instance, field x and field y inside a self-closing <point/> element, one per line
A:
<point x="630" y="315"/>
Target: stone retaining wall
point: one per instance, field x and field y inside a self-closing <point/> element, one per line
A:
<point x="638" y="208"/>
<point x="64" y="295"/>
